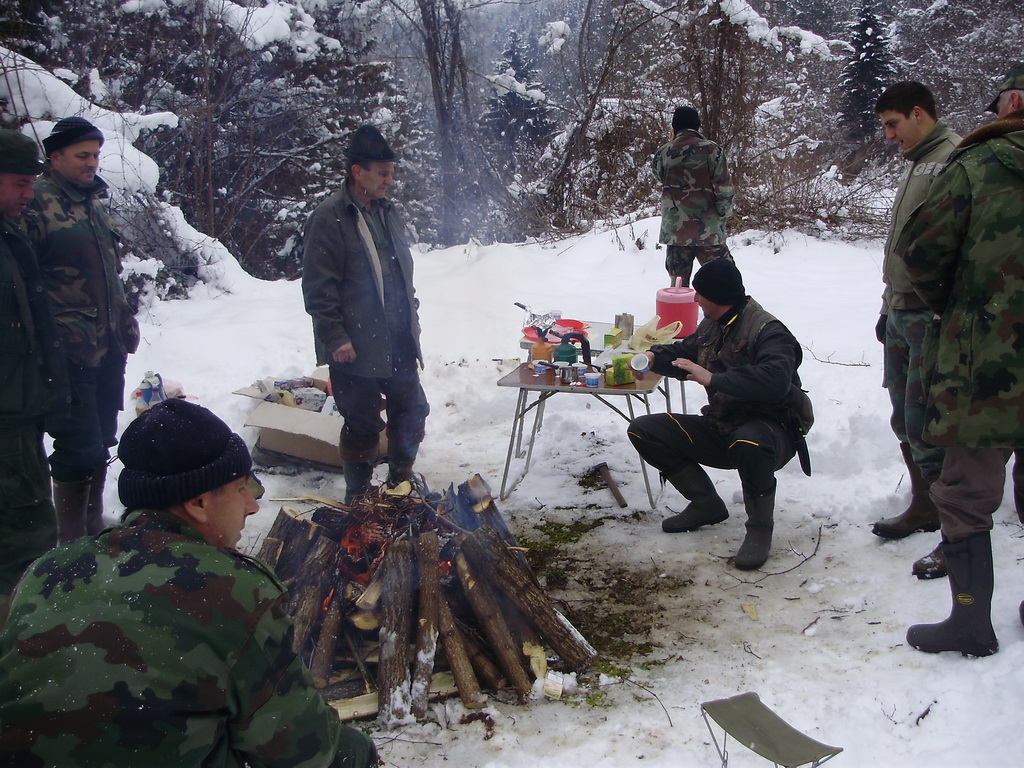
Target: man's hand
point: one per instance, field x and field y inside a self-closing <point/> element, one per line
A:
<point x="346" y="353"/>
<point x="695" y="372"/>
<point x="880" y="328"/>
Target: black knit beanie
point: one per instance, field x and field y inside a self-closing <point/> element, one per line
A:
<point x="719" y="282"/>
<point x="71" y="130"/>
<point x="685" y="119"/>
<point x="176" y="451"/>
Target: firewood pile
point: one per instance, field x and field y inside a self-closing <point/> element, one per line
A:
<point x="397" y="599"/>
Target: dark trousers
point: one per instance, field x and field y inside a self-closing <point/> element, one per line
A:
<point x="669" y="441"/>
<point x="84" y="433"/>
<point x="359" y="400"/>
<point x="28" y="525"/>
<point x="970" y="490"/>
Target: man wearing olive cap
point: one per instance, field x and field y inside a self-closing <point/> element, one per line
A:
<point x="32" y="375"/>
<point x="964" y="252"/>
<point x="80" y="257"/>
<point x="357" y="285"/>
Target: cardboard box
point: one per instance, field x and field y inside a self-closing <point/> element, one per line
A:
<point x="306" y="437"/>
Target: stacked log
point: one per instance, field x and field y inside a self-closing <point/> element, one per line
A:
<point x="441" y="601"/>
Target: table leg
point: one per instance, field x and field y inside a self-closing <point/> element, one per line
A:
<point x="643" y="465"/>
<point x="515" y="442"/>
<point x="514" y="439"/>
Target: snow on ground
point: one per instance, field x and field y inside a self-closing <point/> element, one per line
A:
<point x="827" y="648"/>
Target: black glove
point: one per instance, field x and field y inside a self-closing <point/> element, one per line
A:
<point x="880" y="329"/>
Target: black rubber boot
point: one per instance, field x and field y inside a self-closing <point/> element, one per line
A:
<point x="921" y="515"/>
<point x="932" y="565"/>
<point x="969" y="626"/>
<point x="357" y="478"/>
<point x="706" y="506"/>
<point x="71" y="501"/>
<point x="94" y="510"/>
<point x="760" y="524"/>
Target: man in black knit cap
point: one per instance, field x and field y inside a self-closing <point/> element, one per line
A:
<point x="747" y="360"/>
<point x="157" y="642"/>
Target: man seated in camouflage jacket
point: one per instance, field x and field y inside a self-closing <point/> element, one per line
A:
<point x="157" y="643"/>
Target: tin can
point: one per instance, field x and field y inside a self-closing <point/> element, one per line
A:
<point x="624" y="322"/>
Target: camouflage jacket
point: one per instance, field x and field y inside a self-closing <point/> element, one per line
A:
<point x="753" y="359"/>
<point x="965" y="256"/>
<point x="146" y="646"/>
<point x="33" y="371"/>
<point x="79" y="254"/>
<point x="925" y="160"/>
<point x="697" y="191"/>
<point x="342" y="284"/>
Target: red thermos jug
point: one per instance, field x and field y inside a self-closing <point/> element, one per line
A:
<point x="677" y="303"/>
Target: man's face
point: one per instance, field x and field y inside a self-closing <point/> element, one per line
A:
<point x="1009" y="101"/>
<point x="15" y="192"/>
<point x="228" y="507"/>
<point x="372" y="181"/>
<point x="711" y="310"/>
<point x="78" y="163"/>
<point x="905" y="130"/>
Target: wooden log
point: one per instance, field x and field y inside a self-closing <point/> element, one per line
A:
<point x="480" y="662"/>
<point x="441" y="686"/>
<point x="270" y="551"/>
<point x="485" y="549"/>
<point x="298" y="535"/>
<point x="458" y="659"/>
<point x="313" y="583"/>
<point x="393" y="677"/>
<point x="482" y="598"/>
<point x="427" y="551"/>
<point x="325" y="649"/>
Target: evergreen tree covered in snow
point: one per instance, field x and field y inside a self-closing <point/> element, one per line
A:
<point x="867" y="73"/>
<point x="517" y="113"/>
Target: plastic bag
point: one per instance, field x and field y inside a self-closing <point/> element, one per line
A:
<point x="649" y="334"/>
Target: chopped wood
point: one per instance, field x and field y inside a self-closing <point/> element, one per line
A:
<point x="396" y="618"/>
<point x="299" y="534"/>
<point x="484" y="602"/>
<point x="311" y="591"/>
<point x="486" y="550"/>
<point x="427" y="553"/>
<point x="459" y="660"/>
<point x="442" y="685"/>
<point x="325" y="649"/>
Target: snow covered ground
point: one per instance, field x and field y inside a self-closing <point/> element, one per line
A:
<point x="826" y="649"/>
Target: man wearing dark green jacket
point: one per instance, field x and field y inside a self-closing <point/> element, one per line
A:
<point x="358" y="289"/>
<point x="33" y="376"/>
<point x="157" y="643"/>
<point x="965" y="257"/>
<point x="908" y="115"/>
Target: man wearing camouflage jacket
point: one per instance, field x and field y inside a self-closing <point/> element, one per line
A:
<point x="965" y="257"/>
<point x="79" y="254"/>
<point x="157" y="643"/>
<point x="33" y="375"/>
<point x="696" y="199"/>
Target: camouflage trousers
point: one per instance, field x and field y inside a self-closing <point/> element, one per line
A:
<point x="679" y="259"/>
<point x="28" y="524"/>
<point x="904" y="338"/>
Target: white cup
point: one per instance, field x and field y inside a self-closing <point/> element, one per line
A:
<point x="640" y="363"/>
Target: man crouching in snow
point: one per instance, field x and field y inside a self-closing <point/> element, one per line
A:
<point x="156" y="642"/>
<point x="748" y="362"/>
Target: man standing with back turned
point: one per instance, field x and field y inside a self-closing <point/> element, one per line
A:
<point x="80" y="256"/>
<point x="696" y="197"/>
<point x="965" y="255"/>
<point x="357" y="286"/>
<point x="908" y="115"/>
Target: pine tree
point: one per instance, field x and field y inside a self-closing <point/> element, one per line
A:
<point x="869" y="70"/>
<point x="515" y="118"/>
